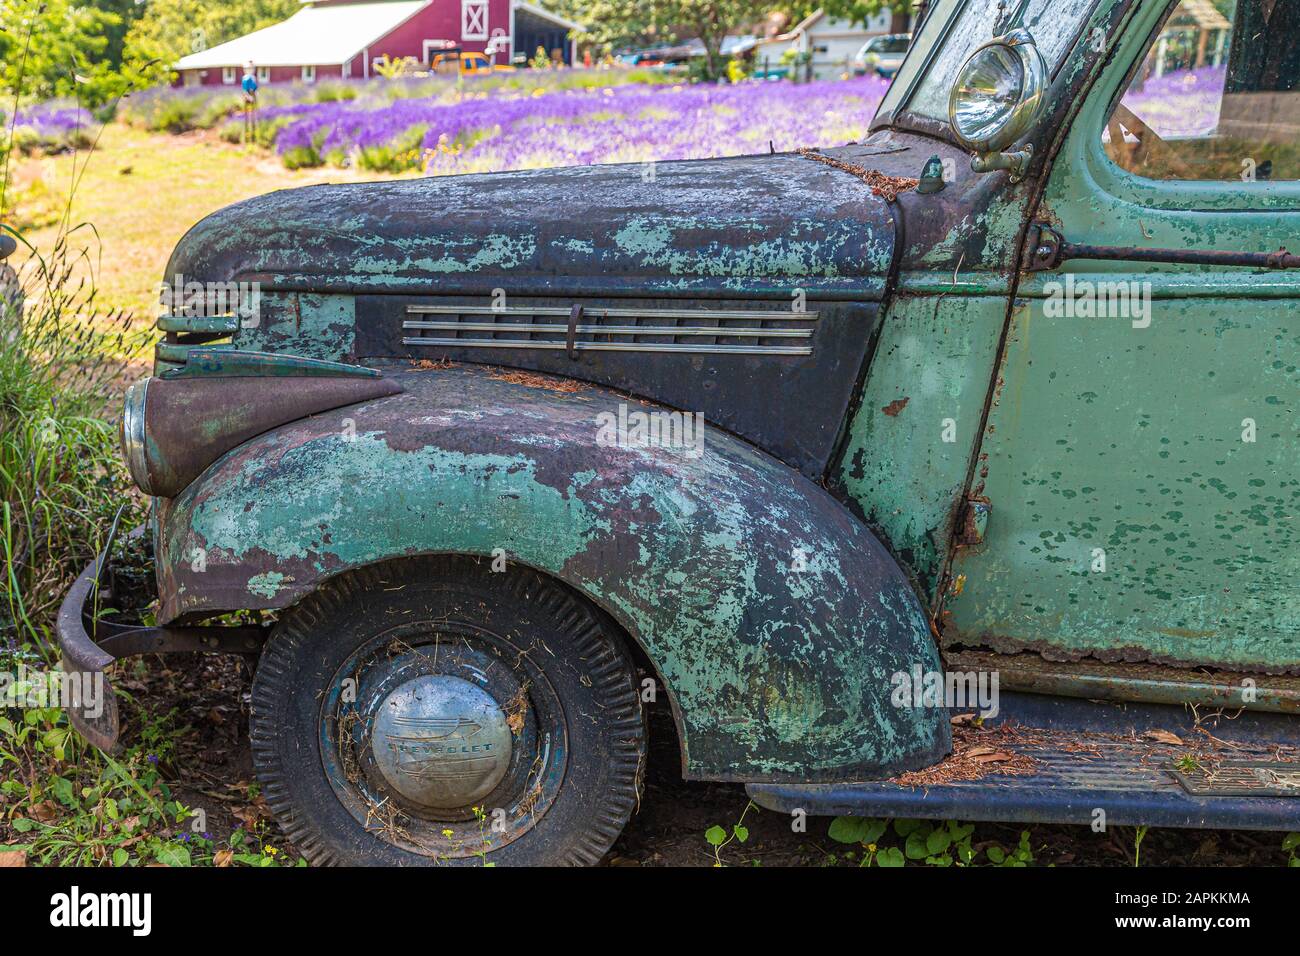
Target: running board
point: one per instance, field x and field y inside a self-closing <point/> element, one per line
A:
<point x="1045" y="760"/>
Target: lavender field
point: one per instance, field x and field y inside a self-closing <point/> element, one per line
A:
<point x="49" y="128"/>
<point x="438" y="127"/>
<point x="573" y="127"/>
<point x="1180" y="103"/>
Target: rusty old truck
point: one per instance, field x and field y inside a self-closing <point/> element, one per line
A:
<point x="949" y="473"/>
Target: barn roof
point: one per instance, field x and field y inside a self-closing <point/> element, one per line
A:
<point x="321" y="35"/>
<point x="1202" y="13"/>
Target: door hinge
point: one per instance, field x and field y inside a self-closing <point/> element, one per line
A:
<point x="1042" y="248"/>
<point x="974" y="521"/>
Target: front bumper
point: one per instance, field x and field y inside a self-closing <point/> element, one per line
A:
<point x="90" y="644"/>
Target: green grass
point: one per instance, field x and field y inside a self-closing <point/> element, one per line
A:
<point x="143" y="191"/>
<point x="63" y="356"/>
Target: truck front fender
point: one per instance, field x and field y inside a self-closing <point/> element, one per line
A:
<point x="775" y="618"/>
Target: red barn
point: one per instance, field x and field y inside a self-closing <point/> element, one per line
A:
<point x="343" y="38"/>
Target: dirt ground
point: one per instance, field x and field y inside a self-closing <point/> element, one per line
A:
<point x="212" y="770"/>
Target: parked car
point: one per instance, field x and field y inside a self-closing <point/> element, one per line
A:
<point x="909" y="484"/>
<point x="467" y="63"/>
<point x="882" y="55"/>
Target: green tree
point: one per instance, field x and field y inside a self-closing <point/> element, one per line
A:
<point x="127" y="12"/>
<point x="630" y="23"/>
<point x="170" y="29"/>
<point x="615" y="24"/>
<point x="855" y="11"/>
<point x="55" y="48"/>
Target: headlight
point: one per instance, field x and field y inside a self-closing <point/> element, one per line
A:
<point x="174" y="427"/>
<point x="133" y="435"/>
<point x="998" y="92"/>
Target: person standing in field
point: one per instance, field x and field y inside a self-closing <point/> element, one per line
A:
<point x="249" y="85"/>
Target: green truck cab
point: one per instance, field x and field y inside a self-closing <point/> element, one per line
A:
<point x="983" y="429"/>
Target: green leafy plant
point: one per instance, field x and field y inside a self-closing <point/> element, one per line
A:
<point x="940" y="843"/>
<point x="931" y="843"/>
<point x="1022" y="855"/>
<point x="718" y="838"/>
<point x="1291" y="843"/>
<point x="1138" y="836"/>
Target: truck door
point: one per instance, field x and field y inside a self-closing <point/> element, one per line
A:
<point x="1141" y="454"/>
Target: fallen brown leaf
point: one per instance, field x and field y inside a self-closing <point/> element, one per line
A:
<point x="223" y="858"/>
<point x="998" y="756"/>
<point x="11" y="858"/>
<point x="1165" y="737"/>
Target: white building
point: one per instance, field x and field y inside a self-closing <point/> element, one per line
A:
<point x="831" y="42"/>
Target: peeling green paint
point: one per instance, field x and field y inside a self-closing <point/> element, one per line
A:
<point x="266" y="585"/>
<point x="907" y="470"/>
<point x="305" y="324"/>
<point x="774" y="618"/>
<point x="1132" y="519"/>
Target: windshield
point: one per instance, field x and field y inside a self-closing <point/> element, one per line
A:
<point x="957" y="27"/>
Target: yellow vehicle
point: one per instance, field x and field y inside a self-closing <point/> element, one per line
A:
<point x="469" y="63"/>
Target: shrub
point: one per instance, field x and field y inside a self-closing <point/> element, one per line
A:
<point x="399" y="155"/>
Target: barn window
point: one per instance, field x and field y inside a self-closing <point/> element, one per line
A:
<point x="309" y="74"/>
<point x="229" y="74"/>
<point x="474" y="19"/>
<point x="264" y="74"/>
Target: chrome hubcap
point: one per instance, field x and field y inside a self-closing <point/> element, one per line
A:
<point x="441" y="742"/>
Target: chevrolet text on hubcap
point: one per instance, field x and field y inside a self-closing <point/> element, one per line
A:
<point x="441" y="742"/>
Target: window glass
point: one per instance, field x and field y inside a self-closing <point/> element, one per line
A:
<point x="1217" y="97"/>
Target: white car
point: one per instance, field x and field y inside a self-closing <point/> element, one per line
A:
<point x="882" y="55"/>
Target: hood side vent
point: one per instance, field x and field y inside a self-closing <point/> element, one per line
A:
<point x="692" y="331"/>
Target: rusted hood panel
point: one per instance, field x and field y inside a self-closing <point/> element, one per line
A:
<point x="774" y="218"/>
<point x="775" y="618"/>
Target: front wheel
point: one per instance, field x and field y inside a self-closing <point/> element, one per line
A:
<point x="431" y="711"/>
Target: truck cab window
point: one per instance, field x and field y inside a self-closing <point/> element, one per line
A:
<point x="1217" y="96"/>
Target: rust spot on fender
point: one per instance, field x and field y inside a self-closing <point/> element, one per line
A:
<point x="896" y="406"/>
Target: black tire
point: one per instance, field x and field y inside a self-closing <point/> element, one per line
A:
<point x="574" y="728"/>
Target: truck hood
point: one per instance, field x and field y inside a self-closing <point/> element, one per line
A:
<point x="746" y="222"/>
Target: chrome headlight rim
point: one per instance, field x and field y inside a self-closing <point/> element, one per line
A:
<point x="133" y="439"/>
<point x="1021" y="117"/>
